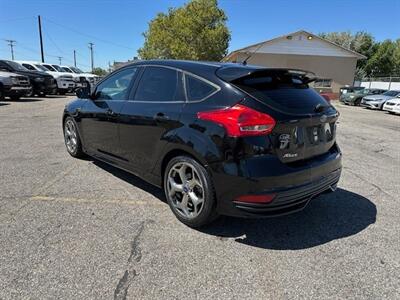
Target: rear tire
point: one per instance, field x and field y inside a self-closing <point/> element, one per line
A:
<point x="72" y="139"/>
<point x="190" y="192"/>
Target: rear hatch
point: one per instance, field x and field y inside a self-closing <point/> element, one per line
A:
<point x="305" y="121"/>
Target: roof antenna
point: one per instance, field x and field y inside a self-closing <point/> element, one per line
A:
<point x="244" y="63"/>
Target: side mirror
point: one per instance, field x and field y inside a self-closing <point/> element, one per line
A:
<point x="84" y="93"/>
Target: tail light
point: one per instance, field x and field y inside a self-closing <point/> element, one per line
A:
<point x="240" y="120"/>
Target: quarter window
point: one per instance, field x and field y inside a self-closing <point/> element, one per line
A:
<point x="159" y="85"/>
<point x="198" y="89"/>
<point x="116" y="86"/>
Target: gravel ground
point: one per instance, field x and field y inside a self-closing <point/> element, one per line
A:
<point x="79" y="229"/>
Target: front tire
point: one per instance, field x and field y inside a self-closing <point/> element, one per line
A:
<point x="72" y="139"/>
<point x="1" y="93"/>
<point x="190" y="192"/>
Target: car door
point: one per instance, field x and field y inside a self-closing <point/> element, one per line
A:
<point x="100" y="116"/>
<point x="150" y="116"/>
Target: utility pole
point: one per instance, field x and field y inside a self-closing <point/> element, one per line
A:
<point x="59" y="59"/>
<point x="91" y="54"/>
<point x="11" y="44"/>
<point x="74" y="58"/>
<point x="41" y="38"/>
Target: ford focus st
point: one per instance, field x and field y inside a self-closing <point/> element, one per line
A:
<point x="218" y="138"/>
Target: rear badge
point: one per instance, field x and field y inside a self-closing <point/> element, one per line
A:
<point x="290" y="155"/>
<point x="284" y="139"/>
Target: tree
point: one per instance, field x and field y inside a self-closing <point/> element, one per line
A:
<point x="195" y="31"/>
<point x="361" y="42"/>
<point x="383" y="63"/>
<point x="99" y="71"/>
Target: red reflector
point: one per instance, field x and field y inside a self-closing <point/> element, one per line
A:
<point x="256" y="198"/>
<point x="240" y="120"/>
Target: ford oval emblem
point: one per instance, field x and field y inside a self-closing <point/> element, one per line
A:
<point x="323" y="118"/>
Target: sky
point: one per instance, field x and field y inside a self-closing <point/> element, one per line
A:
<point x="116" y="26"/>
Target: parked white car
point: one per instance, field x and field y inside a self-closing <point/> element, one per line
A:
<point x="91" y="78"/>
<point x="392" y="105"/>
<point x="65" y="81"/>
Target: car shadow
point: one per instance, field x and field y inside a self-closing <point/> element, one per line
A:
<point x="131" y="179"/>
<point x="3" y="104"/>
<point x="328" y="217"/>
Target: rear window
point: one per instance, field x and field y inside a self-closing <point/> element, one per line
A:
<point x="282" y="91"/>
<point x="198" y="89"/>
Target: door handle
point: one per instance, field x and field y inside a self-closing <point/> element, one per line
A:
<point x="161" y="117"/>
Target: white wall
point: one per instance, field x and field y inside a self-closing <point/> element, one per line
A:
<point x="381" y="85"/>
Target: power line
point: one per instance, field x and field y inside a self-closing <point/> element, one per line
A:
<point x="88" y="35"/>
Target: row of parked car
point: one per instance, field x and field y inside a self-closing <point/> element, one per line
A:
<point x="27" y="78"/>
<point x="371" y="98"/>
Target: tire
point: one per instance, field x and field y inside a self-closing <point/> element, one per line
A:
<point x="199" y="186"/>
<point x="357" y="102"/>
<point x="72" y="139"/>
<point x="1" y="93"/>
<point x="15" y="97"/>
<point x="31" y="93"/>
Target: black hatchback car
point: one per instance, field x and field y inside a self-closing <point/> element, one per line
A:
<point x="219" y="138"/>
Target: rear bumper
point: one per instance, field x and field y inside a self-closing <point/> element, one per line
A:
<point x="293" y="199"/>
<point x="293" y="185"/>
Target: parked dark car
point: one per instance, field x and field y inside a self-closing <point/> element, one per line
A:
<point x="219" y="138"/>
<point x="354" y="98"/>
<point x="349" y="89"/>
<point x="42" y="83"/>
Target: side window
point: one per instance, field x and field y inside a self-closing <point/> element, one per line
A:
<point x="198" y="89"/>
<point x="29" y="67"/>
<point x="159" y="84"/>
<point x="116" y="86"/>
<point x="4" y="66"/>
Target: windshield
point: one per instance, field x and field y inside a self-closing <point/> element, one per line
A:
<point x="364" y="91"/>
<point x="65" y="69"/>
<point x="76" y="70"/>
<point x="41" y="68"/>
<point x="16" y="66"/>
<point x="58" y="68"/>
<point x="50" y="68"/>
<point x="391" y="93"/>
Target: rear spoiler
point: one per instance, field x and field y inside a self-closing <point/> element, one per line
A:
<point x="233" y="73"/>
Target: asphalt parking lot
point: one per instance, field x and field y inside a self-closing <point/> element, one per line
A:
<point x="78" y="229"/>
